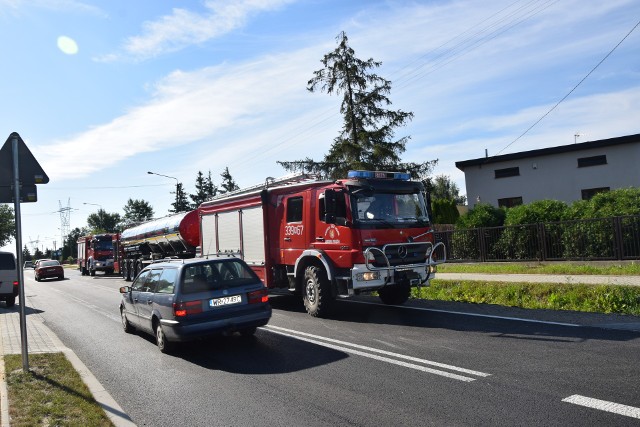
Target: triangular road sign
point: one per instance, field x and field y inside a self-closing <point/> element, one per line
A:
<point x="28" y="167"/>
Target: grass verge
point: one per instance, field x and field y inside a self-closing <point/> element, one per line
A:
<point x="50" y="394"/>
<point x="630" y="269"/>
<point x="577" y="297"/>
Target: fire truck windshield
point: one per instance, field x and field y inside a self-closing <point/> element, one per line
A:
<point x="102" y="245"/>
<point x="391" y="209"/>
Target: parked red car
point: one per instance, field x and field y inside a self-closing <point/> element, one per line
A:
<point x="47" y="269"/>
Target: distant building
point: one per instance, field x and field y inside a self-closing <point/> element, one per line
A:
<point x="566" y="173"/>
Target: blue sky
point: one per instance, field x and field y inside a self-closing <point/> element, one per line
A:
<point x="104" y="91"/>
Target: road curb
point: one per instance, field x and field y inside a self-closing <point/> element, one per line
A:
<point x="115" y="413"/>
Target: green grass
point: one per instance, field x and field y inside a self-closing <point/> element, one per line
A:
<point x="588" y="298"/>
<point x="626" y="269"/>
<point x="50" y="394"/>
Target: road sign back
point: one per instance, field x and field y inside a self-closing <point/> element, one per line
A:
<point x="28" y="167"/>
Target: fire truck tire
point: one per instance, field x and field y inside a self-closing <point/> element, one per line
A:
<point x="139" y="267"/>
<point x="316" y="292"/>
<point x="126" y="270"/>
<point x="395" y="294"/>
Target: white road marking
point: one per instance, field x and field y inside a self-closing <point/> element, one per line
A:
<point x="368" y="352"/>
<point x="471" y="314"/>
<point x="603" y="405"/>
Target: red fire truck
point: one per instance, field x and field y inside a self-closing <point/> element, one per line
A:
<point x="95" y="253"/>
<point x="324" y="239"/>
<point x="174" y="236"/>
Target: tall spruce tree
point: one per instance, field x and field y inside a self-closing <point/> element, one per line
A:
<point x="201" y="193"/>
<point x="367" y="139"/>
<point x="228" y="184"/>
<point x="181" y="204"/>
<point x="210" y="188"/>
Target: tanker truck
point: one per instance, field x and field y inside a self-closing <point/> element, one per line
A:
<point x="174" y="236"/>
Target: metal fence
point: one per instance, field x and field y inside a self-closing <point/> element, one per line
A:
<point x="615" y="238"/>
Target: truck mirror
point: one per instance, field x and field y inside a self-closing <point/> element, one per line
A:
<point x="330" y="202"/>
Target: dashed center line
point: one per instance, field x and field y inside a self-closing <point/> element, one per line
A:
<point x="603" y="405"/>
<point x="374" y="353"/>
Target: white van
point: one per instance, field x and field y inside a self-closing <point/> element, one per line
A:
<point x="9" y="288"/>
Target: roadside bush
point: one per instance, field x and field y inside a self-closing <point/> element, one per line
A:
<point x="521" y="239"/>
<point x="482" y="215"/>
<point x="593" y="235"/>
<point x="445" y="211"/>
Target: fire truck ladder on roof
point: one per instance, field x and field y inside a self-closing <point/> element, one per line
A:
<point x="290" y="179"/>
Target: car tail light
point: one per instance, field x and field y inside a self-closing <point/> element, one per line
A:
<point x="182" y="309"/>
<point x="15" y="284"/>
<point x="255" y="297"/>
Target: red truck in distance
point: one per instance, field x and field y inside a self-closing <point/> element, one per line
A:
<point x="95" y="253"/>
<point x="328" y="239"/>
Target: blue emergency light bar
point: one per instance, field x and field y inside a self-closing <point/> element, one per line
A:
<point x="400" y="176"/>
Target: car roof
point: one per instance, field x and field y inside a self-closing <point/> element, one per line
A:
<point x="177" y="263"/>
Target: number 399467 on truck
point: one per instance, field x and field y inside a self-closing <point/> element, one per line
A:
<point x="328" y="239"/>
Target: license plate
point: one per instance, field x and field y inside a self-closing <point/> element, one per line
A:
<point x="217" y="302"/>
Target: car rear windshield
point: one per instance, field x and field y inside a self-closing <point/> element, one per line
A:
<point x="217" y="275"/>
<point x="48" y="263"/>
<point x="7" y="262"/>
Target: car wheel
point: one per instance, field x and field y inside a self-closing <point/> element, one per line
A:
<point x="37" y="278"/>
<point x="164" y="345"/>
<point x="11" y="301"/>
<point x="60" y="277"/>
<point x="248" y="332"/>
<point x="126" y="326"/>
<point x="316" y="293"/>
<point x="92" y="272"/>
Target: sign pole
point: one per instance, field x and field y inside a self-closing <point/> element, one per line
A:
<point x="16" y="206"/>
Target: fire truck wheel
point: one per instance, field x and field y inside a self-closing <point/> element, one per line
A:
<point x="139" y="267"/>
<point x="316" y="292"/>
<point x="395" y="294"/>
<point x="126" y="270"/>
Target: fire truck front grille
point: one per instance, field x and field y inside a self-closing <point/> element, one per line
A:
<point x="400" y="254"/>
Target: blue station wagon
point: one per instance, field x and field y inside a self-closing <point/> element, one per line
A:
<point x="182" y="300"/>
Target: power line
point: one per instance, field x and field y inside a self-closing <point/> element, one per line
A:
<point x="571" y="91"/>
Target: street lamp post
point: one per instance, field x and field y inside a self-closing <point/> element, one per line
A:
<point x="100" y="212"/>
<point x="172" y="177"/>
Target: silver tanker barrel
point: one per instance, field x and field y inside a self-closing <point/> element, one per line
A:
<point x="171" y="236"/>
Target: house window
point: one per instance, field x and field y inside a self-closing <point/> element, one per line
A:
<point x="504" y="173"/>
<point x="509" y="202"/>
<point x="592" y="161"/>
<point x="588" y="193"/>
<point x="294" y="209"/>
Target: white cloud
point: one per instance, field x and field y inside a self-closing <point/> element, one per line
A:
<point x="183" y="27"/>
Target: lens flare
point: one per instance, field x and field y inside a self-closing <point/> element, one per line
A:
<point x="67" y="45"/>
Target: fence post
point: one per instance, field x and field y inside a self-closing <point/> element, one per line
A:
<point x="482" y="246"/>
<point x="542" y="241"/>
<point x="617" y="239"/>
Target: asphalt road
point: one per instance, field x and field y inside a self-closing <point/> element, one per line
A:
<point x="369" y="365"/>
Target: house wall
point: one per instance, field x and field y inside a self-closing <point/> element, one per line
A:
<point x="555" y="176"/>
